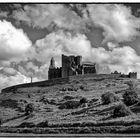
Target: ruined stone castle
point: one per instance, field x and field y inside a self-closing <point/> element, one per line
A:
<point x="71" y="65"/>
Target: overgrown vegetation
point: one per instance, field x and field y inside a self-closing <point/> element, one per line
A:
<point x="9" y="103"/>
<point x="130" y="97"/>
<point x="86" y="110"/>
<point x="83" y="100"/>
<point x="29" y="109"/>
<point x="70" y="105"/>
<point x="121" y="110"/>
<point x="109" y="97"/>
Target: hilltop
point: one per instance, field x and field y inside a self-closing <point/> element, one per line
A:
<point x="59" y="106"/>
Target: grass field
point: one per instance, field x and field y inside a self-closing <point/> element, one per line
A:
<point x="59" y="106"/>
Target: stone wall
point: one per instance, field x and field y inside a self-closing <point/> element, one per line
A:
<point x="54" y="73"/>
<point x="37" y="84"/>
<point x="94" y="76"/>
<point x="71" y="65"/>
<point x="89" y="70"/>
<point x="65" y="66"/>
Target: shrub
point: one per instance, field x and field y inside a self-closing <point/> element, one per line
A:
<point x="121" y="111"/>
<point x="81" y="87"/>
<point x="29" y="109"/>
<point x="130" y="97"/>
<point x="70" y="105"/>
<point x="109" y="97"/>
<point x="83" y="100"/>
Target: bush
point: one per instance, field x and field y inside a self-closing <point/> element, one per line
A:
<point x="121" y="111"/>
<point x="109" y="97"/>
<point x="70" y="105"/>
<point x="29" y="109"/>
<point x="130" y="97"/>
<point x="82" y="87"/>
<point x="83" y="100"/>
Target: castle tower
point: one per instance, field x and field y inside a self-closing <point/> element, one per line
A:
<point x="65" y="66"/>
<point x="52" y="63"/>
<point x="79" y="60"/>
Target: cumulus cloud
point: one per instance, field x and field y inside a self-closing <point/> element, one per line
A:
<point x="61" y="42"/>
<point x="14" y="43"/>
<point x="44" y="15"/>
<point x="123" y="59"/>
<point x="15" y="46"/>
<point x="118" y="25"/>
<point x="12" y="80"/>
<point x="116" y="20"/>
<point x="8" y="71"/>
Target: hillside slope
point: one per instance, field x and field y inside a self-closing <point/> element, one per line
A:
<point x="59" y="104"/>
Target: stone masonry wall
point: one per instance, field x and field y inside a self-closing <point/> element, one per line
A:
<point x="37" y="84"/>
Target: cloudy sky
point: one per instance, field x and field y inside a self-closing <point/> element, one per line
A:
<point x="30" y="34"/>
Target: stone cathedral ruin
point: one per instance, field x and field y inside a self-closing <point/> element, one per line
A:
<point x="71" y="65"/>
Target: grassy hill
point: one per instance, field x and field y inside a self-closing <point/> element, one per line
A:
<point x="74" y="107"/>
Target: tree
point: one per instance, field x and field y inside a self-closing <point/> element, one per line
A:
<point x="29" y="109"/>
